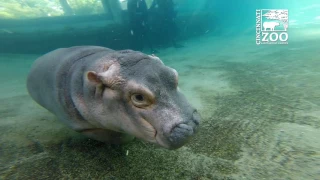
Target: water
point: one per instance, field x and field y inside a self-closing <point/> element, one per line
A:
<point x="259" y="104"/>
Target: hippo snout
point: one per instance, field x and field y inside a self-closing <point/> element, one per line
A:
<point x="181" y="133"/>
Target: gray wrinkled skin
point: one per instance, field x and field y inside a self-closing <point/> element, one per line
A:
<point x="113" y="96"/>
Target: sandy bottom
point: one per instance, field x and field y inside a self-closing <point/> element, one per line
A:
<point x="260" y="109"/>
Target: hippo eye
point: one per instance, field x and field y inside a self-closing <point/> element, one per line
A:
<point x="139" y="100"/>
<point x="139" y="97"/>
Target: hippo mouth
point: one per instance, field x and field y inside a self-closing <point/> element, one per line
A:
<point x="153" y="135"/>
<point x="149" y="130"/>
<point x="179" y="135"/>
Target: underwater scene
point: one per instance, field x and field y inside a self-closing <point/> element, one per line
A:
<point x="160" y="89"/>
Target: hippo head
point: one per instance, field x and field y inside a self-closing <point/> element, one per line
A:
<point x="141" y="98"/>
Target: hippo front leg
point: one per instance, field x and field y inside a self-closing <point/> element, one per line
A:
<point x="107" y="136"/>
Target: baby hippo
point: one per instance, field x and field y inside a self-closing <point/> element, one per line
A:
<point x="113" y="96"/>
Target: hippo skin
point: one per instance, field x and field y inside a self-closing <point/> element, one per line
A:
<point x="113" y="96"/>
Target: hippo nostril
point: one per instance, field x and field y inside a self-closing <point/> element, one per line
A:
<point x="185" y="127"/>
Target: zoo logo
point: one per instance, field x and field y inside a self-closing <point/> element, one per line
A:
<point x="271" y="26"/>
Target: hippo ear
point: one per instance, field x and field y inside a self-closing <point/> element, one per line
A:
<point x="109" y="78"/>
<point x="94" y="77"/>
<point x="103" y="77"/>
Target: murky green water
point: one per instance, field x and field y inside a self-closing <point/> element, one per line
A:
<point x="259" y="106"/>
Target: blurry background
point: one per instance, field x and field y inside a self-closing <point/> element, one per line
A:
<point x="83" y="22"/>
<point x="105" y="22"/>
<point x="260" y="104"/>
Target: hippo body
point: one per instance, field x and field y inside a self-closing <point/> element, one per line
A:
<point x="113" y="96"/>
